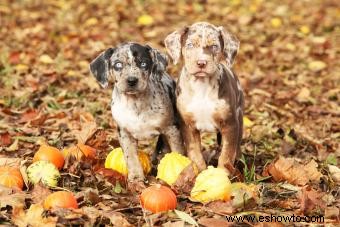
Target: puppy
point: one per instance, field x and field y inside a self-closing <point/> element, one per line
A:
<point x="209" y="95"/>
<point x="143" y="99"/>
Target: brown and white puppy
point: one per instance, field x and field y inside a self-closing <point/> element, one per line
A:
<point x="143" y="99"/>
<point x="209" y="95"/>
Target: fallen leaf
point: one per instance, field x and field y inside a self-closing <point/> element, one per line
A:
<point x="32" y="217"/>
<point x="242" y="194"/>
<point x="305" y="29"/>
<point x="247" y="122"/>
<point x="39" y="193"/>
<point x="288" y="169"/>
<point x="276" y="22"/>
<point x="222" y="208"/>
<point x="46" y="59"/>
<point x="174" y="224"/>
<point x="14" y="146"/>
<point x="88" y="128"/>
<point x="112" y="176"/>
<point x="316" y="66"/>
<point x="145" y="20"/>
<point x="303" y="95"/>
<point x="5" y="139"/>
<point x="332" y="212"/>
<point x="14" y="162"/>
<point x="186" y="180"/>
<point x="213" y="222"/>
<point x="335" y="173"/>
<point x="10" y="197"/>
<point x="186" y="217"/>
<point x="28" y="116"/>
<point x="117" y="219"/>
<point x="309" y="200"/>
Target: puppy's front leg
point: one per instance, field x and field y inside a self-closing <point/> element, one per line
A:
<point x="193" y="145"/>
<point x="229" y="148"/>
<point x="129" y="145"/>
<point x="174" y="138"/>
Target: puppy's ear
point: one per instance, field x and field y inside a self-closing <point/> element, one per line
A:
<point x="159" y="59"/>
<point x="173" y="44"/>
<point x="230" y="45"/>
<point x="100" y="67"/>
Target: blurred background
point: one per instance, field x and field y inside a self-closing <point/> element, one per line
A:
<point x="288" y="64"/>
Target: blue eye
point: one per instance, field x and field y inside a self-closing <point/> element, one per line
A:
<point x="118" y="66"/>
<point x="214" y="47"/>
<point x="143" y="64"/>
<point x="190" y="45"/>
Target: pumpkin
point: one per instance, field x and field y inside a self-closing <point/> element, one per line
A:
<point x="210" y="185"/>
<point x="80" y="150"/>
<point x="11" y="177"/>
<point x="51" y="154"/>
<point x="171" y="166"/>
<point x="43" y="171"/>
<point x="61" y="199"/>
<point x="115" y="160"/>
<point x="158" y="198"/>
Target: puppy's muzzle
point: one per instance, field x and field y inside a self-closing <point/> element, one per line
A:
<point x="201" y="64"/>
<point x="132" y="81"/>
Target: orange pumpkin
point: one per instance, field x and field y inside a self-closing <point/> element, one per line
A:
<point x="158" y="198"/>
<point x="61" y="199"/>
<point x="50" y="154"/>
<point x="11" y="177"/>
<point x="80" y="150"/>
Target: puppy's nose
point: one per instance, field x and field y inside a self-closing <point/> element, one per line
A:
<point x="132" y="81"/>
<point x="201" y="63"/>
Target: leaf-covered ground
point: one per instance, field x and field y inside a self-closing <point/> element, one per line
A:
<point x="288" y="64"/>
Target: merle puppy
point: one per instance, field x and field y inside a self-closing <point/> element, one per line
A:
<point x="143" y="99"/>
<point x="209" y="95"/>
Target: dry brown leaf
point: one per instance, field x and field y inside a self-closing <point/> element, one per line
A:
<point x="288" y="169"/>
<point x="174" y="224"/>
<point x="332" y="212"/>
<point x="88" y="128"/>
<point x="212" y="222"/>
<point x="185" y="181"/>
<point x="117" y="219"/>
<point x="32" y="217"/>
<point x="10" y="197"/>
<point x="219" y="207"/>
<point x="335" y="173"/>
<point x="14" y="162"/>
<point x="309" y="200"/>
<point x="5" y="139"/>
<point x="39" y="193"/>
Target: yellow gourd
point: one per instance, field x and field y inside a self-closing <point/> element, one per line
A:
<point x="171" y="166"/>
<point x="210" y="185"/>
<point x="115" y="160"/>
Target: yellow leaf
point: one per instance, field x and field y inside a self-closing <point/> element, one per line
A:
<point x="304" y="29"/>
<point x="91" y="21"/>
<point x="276" y="22"/>
<point x="145" y="20"/>
<point x="46" y="59"/>
<point x="304" y="95"/>
<point x="247" y="122"/>
<point x="21" y="67"/>
<point x="290" y="46"/>
<point x="316" y="66"/>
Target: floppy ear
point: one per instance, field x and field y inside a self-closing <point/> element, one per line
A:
<point x="230" y="46"/>
<point x="159" y="59"/>
<point x="173" y="44"/>
<point x="100" y="67"/>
